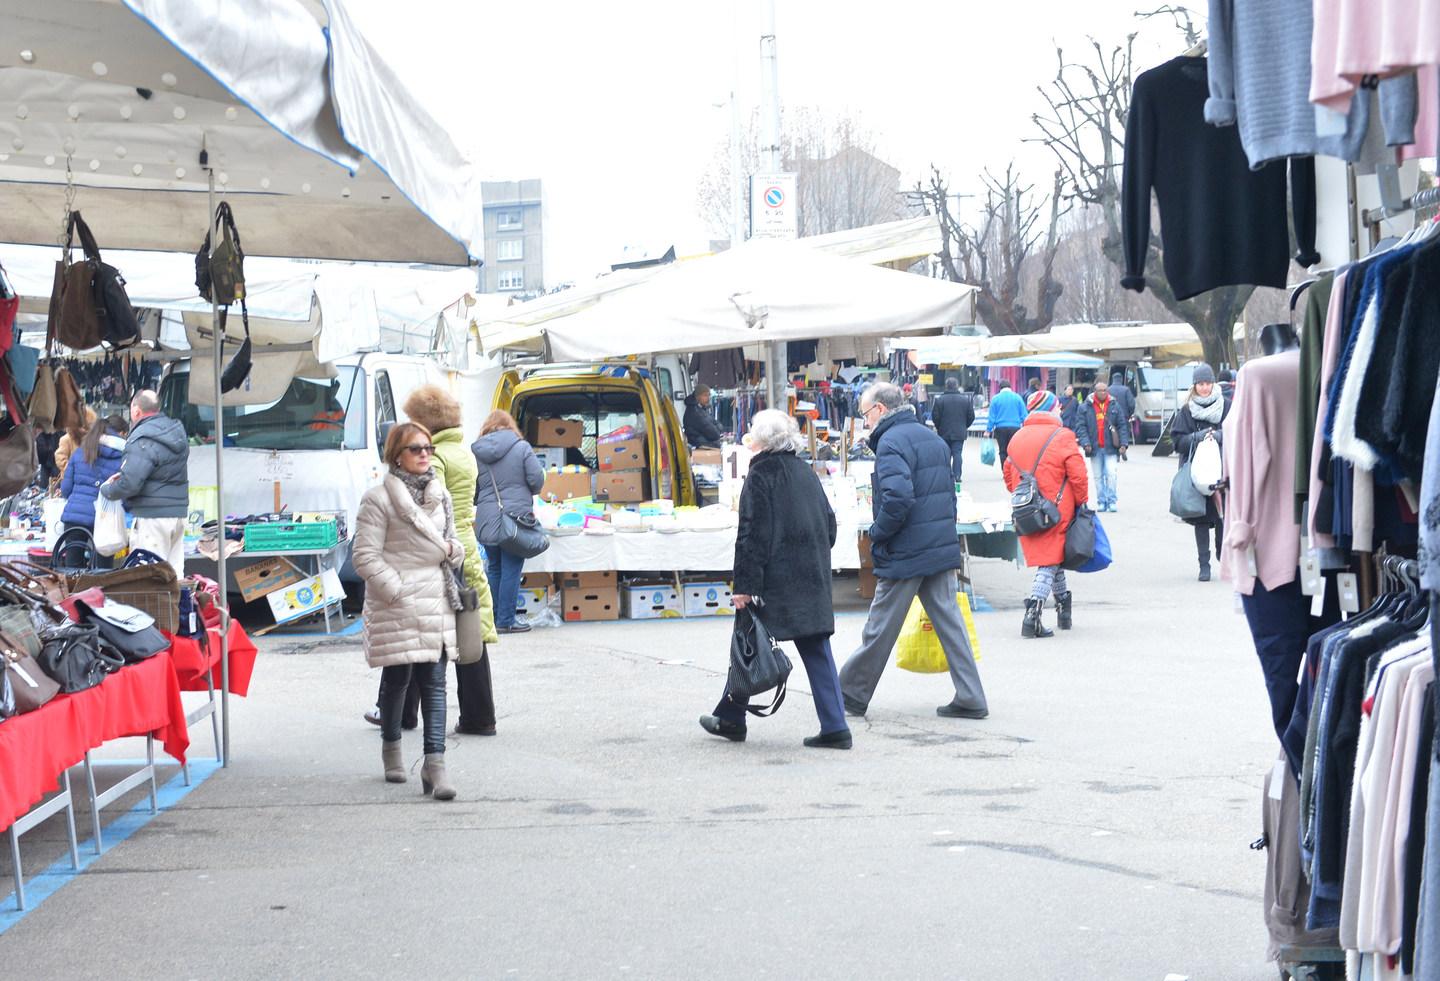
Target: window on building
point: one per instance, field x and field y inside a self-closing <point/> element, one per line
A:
<point x="510" y="248"/>
<point x="510" y="220"/>
<point x="511" y="279"/>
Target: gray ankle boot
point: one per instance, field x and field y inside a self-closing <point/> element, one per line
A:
<point x="394" y="762"/>
<point x="433" y="778"/>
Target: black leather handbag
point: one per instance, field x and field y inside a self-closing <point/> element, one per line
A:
<point x="757" y="663"/>
<point x="72" y="656"/>
<point x="124" y="630"/>
<point x="519" y="535"/>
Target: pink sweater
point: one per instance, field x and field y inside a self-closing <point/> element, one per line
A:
<point x="1260" y="460"/>
<point x="1355" y="38"/>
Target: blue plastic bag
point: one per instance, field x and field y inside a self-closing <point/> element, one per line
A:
<point x="989" y="450"/>
<point x="1103" y="555"/>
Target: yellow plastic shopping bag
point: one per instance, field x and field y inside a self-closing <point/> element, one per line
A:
<point x="918" y="648"/>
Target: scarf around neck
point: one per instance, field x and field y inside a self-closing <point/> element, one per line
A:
<point x="1207" y="409"/>
<point x="415" y="483"/>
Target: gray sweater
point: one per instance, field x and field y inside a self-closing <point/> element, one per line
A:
<point x="1259" y="70"/>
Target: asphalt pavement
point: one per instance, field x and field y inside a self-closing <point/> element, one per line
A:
<point x="1096" y="826"/>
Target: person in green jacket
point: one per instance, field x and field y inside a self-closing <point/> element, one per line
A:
<point x="438" y="411"/>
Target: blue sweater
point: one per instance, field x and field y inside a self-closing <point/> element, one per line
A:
<point x="1007" y="411"/>
<point x="913" y="533"/>
<point x="81" y="484"/>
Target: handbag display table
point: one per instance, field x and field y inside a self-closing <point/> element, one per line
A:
<point x="198" y="668"/>
<point x="38" y="748"/>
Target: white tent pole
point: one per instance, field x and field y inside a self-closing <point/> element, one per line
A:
<point x="220" y="573"/>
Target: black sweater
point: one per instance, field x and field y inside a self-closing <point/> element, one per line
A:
<point x="1222" y="223"/>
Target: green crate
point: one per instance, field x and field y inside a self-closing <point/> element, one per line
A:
<point x="285" y="536"/>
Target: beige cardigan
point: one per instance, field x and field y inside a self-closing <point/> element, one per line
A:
<point x="399" y="549"/>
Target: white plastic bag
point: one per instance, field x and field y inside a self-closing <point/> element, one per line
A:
<point x="51" y="509"/>
<point x="1206" y="469"/>
<point x="111" y="535"/>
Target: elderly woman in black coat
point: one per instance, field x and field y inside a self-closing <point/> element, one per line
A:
<point x="782" y="573"/>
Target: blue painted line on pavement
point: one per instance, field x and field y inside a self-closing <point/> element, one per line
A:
<point x="349" y="631"/>
<point x="41" y="887"/>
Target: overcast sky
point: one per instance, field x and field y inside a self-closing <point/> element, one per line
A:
<point x="612" y="105"/>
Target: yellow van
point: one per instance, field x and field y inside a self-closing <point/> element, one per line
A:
<point x="605" y="398"/>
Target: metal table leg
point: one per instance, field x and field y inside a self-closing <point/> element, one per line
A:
<point x="61" y="801"/>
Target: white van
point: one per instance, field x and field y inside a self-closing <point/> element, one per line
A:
<point x="324" y="435"/>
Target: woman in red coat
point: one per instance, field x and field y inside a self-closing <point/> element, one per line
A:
<point x="1061" y="476"/>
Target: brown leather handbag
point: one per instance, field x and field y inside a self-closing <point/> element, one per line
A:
<point x="74" y="318"/>
<point x="69" y="406"/>
<point x="18" y="459"/>
<point x="31" y="686"/>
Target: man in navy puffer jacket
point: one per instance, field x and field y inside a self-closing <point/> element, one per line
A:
<point x="916" y="552"/>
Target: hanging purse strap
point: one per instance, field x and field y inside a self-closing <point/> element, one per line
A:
<point x="1065" y="479"/>
<point x="87" y="240"/>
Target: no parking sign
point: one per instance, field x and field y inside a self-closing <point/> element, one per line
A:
<point x="774" y="208"/>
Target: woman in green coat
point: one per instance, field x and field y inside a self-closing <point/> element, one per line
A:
<point x="438" y="411"/>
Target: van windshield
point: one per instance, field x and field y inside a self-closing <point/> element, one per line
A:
<point x="313" y="414"/>
<point x="1166" y="379"/>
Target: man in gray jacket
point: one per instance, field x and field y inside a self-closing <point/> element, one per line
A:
<point x="154" y="481"/>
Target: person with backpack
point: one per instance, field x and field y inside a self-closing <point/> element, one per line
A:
<point x="952" y="414"/>
<point x="1047" y="455"/>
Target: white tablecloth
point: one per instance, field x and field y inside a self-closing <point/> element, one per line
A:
<point x="650" y="551"/>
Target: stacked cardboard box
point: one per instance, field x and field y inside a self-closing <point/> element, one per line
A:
<point x="708" y="599"/>
<point x="589" y="595"/>
<point x="536" y="589"/>
<point x="551" y="437"/>
<point x="621" y="479"/>
<point x="650" y="601"/>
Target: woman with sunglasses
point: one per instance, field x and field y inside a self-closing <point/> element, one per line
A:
<point x="407" y="552"/>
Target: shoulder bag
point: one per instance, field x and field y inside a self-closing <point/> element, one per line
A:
<point x="1030" y="511"/>
<point x="1186" y="501"/>
<point x="30" y="687"/>
<point x="519" y="534"/>
<point x="469" y="624"/>
<point x="18" y="458"/>
<point x="757" y="664"/>
<point x="72" y="656"/>
<point x="126" y="631"/>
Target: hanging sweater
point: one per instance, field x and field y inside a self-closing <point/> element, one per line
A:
<point x="1259" y="451"/>
<point x="1222" y="224"/>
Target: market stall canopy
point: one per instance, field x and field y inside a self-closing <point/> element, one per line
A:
<point x="1060" y="359"/>
<point x="1171" y="341"/>
<point x="761" y="291"/>
<point x="319" y="147"/>
<point x="895" y="242"/>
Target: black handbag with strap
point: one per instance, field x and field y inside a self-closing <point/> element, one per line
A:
<point x="126" y="631"/>
<point x="757" y="664"/>
<point x="519" y="534"/>
<point x="72" y="656"/>
<point x="1030" y="511"/>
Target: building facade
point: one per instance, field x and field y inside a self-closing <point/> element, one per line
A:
<point x="514" y="238"/>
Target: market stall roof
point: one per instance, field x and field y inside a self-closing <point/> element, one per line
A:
<point x="760" y="291"/>
<point x="1060" y="359"/>
<point x="1169" y="340"/>
<point x="523" y="324"/>
<point x="314" y="140"/>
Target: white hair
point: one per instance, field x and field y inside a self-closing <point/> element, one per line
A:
<point x="774" y="431"/>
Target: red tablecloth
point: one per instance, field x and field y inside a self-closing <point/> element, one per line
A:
<point x="35" y="748"/>
<point x="192" y="662"/>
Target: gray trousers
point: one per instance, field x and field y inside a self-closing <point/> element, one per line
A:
<point x="893" y="597"/>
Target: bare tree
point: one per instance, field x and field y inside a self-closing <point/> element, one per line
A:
<point x="1088" y="105"/>
<point x="1015" y="231"/>
<point x="841" y="180"/>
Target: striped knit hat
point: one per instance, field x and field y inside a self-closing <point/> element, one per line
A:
<point x="1041" y="401"/>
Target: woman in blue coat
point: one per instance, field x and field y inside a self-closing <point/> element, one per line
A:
<point x="95" y="461"/>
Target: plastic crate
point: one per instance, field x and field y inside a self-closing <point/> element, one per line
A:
<point x="287" y="536"/>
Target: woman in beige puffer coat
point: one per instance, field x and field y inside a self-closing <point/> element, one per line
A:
<point x="407" y="552"/>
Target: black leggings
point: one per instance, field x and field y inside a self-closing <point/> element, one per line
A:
<point x="393" y="683"/>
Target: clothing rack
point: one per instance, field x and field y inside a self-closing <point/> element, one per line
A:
<point x="1420" y="199"/>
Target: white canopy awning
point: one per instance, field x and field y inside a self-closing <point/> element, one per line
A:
<point x="1170" y="340"/>
<point x="127" y="94"/>
<point x="761" y="291"/>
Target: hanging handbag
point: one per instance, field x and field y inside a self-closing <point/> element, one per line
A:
<point x="9" y="307"/>
<point x="222" y="272"/>
<point x="94" y="307"/>
<point x="238" y="369"/>
<point x="1030" y="511"/>
<point x="519" y="535"/>
<point x="69" y="406"/>
<point x="18" y="459"/>
<point x="469" y="625"/>
<point x="42" y="398"/>
<point x="30" y="687"/>
<point x="72" y="656"/>
<point x="1080" y="539"/>
<point x="1186" y="501"/>
<point x="757" y="664"/>
<point x="124" y="630"/>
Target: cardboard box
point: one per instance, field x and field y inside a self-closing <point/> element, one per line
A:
<point x="591" y="604"/>
<point x="708" y="599"/>
<point x="564" y="486"/>
<point x="620" y="486"/>
<point x="305" y="597"/>
<point x="586" y="580"/>
<point x="537" y="580"/>
<point x="266" y="576"/>
<point x="706" y="458"/>
<point x="565" y="433"/>
<point x="867" y="583"/>
<point x="625" y="454"/>
<point x="650" y="602"/>
<point x="532" y="602"/>
<point x="550" y="457"/>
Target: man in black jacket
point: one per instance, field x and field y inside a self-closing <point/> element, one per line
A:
<point x="700" y="427"/>
<point x="952" y="414"/>
<point x="916" y="552"/>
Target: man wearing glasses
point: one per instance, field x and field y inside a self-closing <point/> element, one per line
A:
<point x="916" y="552"/>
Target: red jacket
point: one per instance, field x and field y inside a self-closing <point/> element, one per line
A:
<point x="1062" y="459"/>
